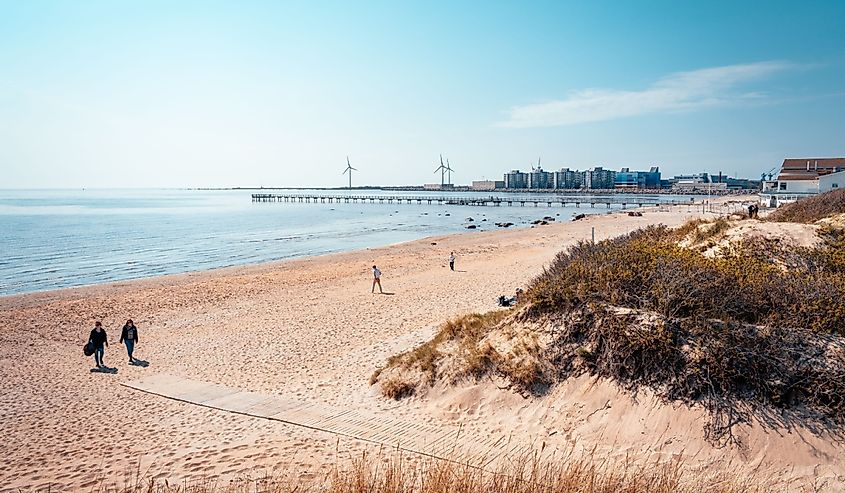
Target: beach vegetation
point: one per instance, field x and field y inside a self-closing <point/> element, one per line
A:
<point x="811" y="209"/>
<point x="755" y="332"/>
<point x="391" y="472"/>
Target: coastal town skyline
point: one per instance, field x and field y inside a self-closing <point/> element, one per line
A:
<point x="282" y="93"/>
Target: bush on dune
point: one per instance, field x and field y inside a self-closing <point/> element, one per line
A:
<point x="648" y="271"/>
<point x="811" y="209"/>
<point x="737" y="334"/>
<point x="758" y="332"/>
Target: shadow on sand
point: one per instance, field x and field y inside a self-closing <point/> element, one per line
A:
<point x="104" y="369"/>
<point x="139" y="362"/>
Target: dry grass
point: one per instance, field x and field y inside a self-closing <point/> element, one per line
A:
<point x="397" y="388"/>
<point x="710" y="229"/>
<point x="648" y="271"/>
<point x="811" y="209"/>
<point x="462" y="334"/>
<point x="739" y="335"/>
<point x="375" y="473"/>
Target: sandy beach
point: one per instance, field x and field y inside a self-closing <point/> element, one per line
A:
<point x="310" y="329"/>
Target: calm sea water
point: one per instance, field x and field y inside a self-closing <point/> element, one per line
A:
<point x="53" y="239"/>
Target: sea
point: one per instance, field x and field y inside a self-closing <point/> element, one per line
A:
<point x="53" y="239"/>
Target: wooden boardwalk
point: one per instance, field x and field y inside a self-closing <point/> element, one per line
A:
<point x="562" y="200"/>
<point x="442" y="442"/>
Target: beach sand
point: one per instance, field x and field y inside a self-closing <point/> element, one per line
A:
<point x="310" y="329"/>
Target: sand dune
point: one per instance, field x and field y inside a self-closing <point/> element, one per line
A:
<point x="310" y="329"/>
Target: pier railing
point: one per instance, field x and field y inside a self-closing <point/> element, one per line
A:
<point x="492" y="200"/>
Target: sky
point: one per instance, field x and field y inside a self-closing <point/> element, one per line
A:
<point x="218" y="94"/>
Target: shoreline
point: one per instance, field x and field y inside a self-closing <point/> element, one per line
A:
<point x="162" y="279"/>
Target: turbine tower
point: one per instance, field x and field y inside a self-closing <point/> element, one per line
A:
<point x="449" y="170"/>
<point x="349" y="170"/>
<point x="442" y="169"/>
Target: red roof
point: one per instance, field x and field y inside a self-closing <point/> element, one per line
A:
<point x="810" y="168"/>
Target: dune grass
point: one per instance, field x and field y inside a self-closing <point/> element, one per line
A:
<point x="811" y="209"/>
<point x="393" y="473"/>
<point x="700" y="230"/>
<point x="464" y="332"/>
<point x="647" y="270"/>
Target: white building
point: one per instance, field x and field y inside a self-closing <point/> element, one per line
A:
<point x="487" y="185"/>
<point x="801" y="178"/>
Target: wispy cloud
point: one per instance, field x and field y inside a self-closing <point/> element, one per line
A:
<point x="681" y="91"/>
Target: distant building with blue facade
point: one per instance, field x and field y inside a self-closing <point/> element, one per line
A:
<point x="638" y="179"/>
<point x="596" y="178"/>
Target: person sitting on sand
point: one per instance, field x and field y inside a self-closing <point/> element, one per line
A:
<point x="376" y="280"/>
<point x="505" y="301"/>
<point x="452" y="261"/>
<point x="129" y="336"/>
<point x="98" y="338"/>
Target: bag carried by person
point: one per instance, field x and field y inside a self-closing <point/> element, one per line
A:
<point x="88" y="348"/>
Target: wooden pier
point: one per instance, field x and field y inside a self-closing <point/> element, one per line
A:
<point x="495" y="201"/>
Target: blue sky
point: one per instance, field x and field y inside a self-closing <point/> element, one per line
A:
<point x="172" y="94"/>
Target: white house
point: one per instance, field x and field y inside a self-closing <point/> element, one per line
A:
<point x="800" y="178"/>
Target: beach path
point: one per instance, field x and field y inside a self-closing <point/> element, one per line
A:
<point x="443" y="442"/>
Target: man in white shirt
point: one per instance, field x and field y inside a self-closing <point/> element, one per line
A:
<point x="452" y="261"/>
<point x="376" y="280"/>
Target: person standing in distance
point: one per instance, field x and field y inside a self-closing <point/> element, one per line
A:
<point x="452" y="261"/>
<point x="129" y="336"/>
<point x="98" y="338"/>
<point x="376" y="280"/>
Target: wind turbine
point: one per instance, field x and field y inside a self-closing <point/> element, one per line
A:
<point x="442" y="169"/>
<point x="349" y="170"/>
<point x="449" y="169"/>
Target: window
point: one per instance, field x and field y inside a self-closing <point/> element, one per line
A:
<point x="782" y="185"/>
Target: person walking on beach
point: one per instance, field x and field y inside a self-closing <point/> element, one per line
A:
<point x="376" y="280"/>
<point x="452" y="261"/>
<point x="129" y="336"/>
<point x="98" y="339"/>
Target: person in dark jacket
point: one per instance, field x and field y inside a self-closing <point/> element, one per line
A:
<point x="98" y="339"/>
<point x="129" y="336"/>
